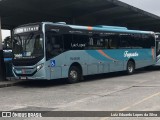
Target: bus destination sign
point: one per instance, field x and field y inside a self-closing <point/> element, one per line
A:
<point x="26" y="29"/>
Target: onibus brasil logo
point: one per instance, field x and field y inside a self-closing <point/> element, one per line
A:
<point x="129" y="55"/>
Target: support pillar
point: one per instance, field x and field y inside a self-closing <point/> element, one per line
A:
<point x="2" y="65"/>
<point x="73" y="21"/>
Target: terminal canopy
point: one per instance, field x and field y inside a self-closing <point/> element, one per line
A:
<point x="80" y="12"/>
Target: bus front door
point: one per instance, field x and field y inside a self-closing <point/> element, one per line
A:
<point x="158" y="51"/>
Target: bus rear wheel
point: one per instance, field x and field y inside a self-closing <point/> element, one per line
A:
<point x="74" y="75"/>
<point x="130" y="67"/>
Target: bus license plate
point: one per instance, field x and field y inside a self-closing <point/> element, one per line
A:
<point x="23" y="78"/>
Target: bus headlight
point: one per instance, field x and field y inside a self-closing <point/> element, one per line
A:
<point x="39" y="67"/>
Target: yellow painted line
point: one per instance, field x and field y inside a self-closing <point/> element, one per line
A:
<point x="139" y="102"/>
<point x="145" y="99"/>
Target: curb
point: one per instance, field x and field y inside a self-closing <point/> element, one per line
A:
<point x="8" y="84"/>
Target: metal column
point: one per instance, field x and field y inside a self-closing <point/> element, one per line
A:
<point x="2" y="65"/>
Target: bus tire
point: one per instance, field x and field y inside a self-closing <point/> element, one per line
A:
<point x="74" y="75"/>
<point x="130" y="67"/>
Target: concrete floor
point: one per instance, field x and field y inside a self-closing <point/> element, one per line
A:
<point x="107" y="92"/>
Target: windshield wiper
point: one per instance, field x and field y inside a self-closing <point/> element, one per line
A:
<point x="18" y="41"/>
<point x="19" y="37"/>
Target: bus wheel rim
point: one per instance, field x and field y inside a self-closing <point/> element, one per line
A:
<point x="73" y="74"/>
<point x="130" y="68"/>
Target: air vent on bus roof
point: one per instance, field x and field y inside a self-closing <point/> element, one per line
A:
<point x="112" y="27"/>
<point x="61" y="22"/>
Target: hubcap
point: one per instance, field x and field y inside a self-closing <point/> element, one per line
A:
<point x="130" y="68"/>
<point x="73" y="74"/>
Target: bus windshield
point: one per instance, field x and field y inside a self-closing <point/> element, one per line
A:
<point x="28" y="45"/>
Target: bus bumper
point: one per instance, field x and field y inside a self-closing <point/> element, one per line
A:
<point x="29" y="73"/>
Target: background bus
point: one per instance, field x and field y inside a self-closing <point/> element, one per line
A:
<point x="7" y="49"/>
<point x="57" y="50"/>
<point x="158" y="49"/>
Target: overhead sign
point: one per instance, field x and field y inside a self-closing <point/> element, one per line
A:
<point x="26" y="29"/>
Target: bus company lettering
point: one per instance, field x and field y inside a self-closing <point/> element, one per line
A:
<point x="128" y="55"/>
<point x="77" y="45"/>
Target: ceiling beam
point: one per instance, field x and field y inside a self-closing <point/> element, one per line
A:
<point x="105" y="8"/>
<point x="146" y="23"/>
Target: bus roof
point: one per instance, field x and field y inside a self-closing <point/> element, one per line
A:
<point x="109" y="29"/>
<point x="100" y="28"/>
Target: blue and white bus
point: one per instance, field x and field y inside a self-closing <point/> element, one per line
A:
<point x="56" y="50"/>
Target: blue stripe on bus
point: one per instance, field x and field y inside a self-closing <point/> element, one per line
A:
<point x="95" y="54"/>
<point x="120" y="56"/>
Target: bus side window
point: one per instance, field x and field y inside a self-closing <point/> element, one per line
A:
<point x="106" y="43"/>
<point x="90" y="43"/>
<point x="148" y="41"/>
<point x="96" y="42"/>
<point x="114" y="42"/>
<point x="125" y="42"/>
<point x="79" y="42"/>
<point x="67" y="38"/>
<point x="54" y="44"/>
<point x="128" y="41"/>
<point x="48" y="46"/>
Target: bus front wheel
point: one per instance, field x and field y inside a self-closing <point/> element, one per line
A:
<point x="130" y="67"/>
<point x="74" y="75"/>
